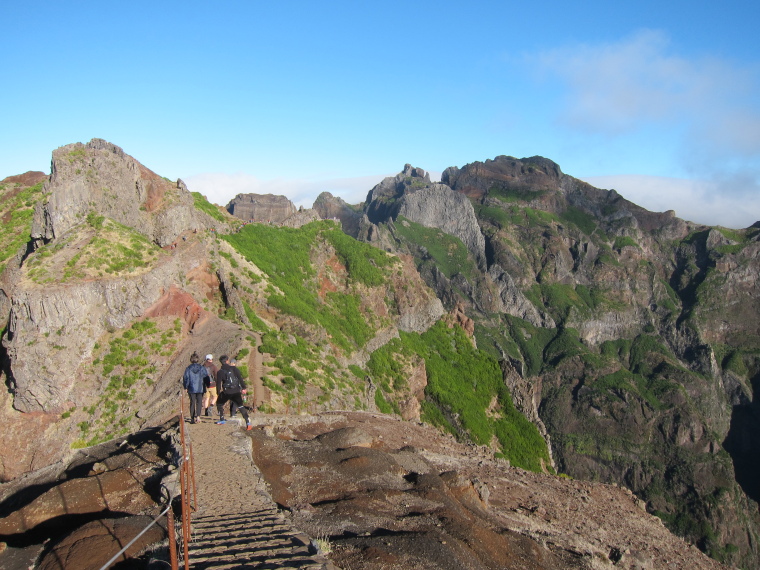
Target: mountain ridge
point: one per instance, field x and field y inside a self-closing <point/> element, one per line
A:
<point x="594" y="316"/>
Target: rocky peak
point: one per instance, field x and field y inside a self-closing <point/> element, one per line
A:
<point x="333" y="207"/>
<point x="477" y="178"/>
<point x="382" y="199"/>
<point x="410" y="194"/>
<point x="261" y="208"/>
<point x="29" y="178"/>
<point x="101" y="178"/>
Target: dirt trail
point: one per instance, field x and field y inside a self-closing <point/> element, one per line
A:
<point x="237" y="524"/>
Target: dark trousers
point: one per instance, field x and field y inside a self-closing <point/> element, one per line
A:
<point x="237" y="399"/>
<point x="196" y="405"/>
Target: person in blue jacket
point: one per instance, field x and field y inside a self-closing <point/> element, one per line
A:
<point x="194" y="381"/>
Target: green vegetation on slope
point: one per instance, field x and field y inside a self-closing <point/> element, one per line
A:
<point x="103" y="248"/>
<point x="284" y="255"/>
<point x="16" y="212"/>
<point x="465" y="394"/>
<point x="126" y="366"/>
<point x="205" y="206"/>
<point x="448" y="252"/>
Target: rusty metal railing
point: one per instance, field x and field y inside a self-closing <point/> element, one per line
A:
<point x="188" y="499"/>
<point x="188" y="489"/>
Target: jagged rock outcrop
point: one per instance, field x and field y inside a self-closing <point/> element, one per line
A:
<point x="437" y="206"/>
<point x="301" y="218"/>
<point x="261" y="208"/>
<point x="382" y="201"/>
<point x="76" y="315"/>
<point x="101" y="178"/>
<point x="411" y="194"/>
<point x="332" y="207"/>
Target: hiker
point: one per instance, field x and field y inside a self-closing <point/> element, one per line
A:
<point x="233" y="405"/>
<point x="210" y="396"/>
<point x="231" y="386"/>
<point x="194" y="380"/>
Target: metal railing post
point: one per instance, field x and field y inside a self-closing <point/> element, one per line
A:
<point x="192" y="477"/>
<point x="172" y="539"/>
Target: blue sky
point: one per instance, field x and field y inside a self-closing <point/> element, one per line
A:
<point x="660" y="100"/>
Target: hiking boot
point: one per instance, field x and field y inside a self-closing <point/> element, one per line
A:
<point x="221" y="421"/>
<point x="208" y="412"/>
<point x="248" y="427"/>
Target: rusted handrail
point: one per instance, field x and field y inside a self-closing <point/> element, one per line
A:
<point x="187" y="490"/>
<point x="187" y="485"/>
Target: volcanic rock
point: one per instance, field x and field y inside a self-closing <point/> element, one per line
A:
<point x="407" y="496"/>
<point x="90" y="546"/>
<point x="261" y="208"/>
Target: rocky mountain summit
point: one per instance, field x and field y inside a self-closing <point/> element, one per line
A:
<point x="261" y="208"/>
<point x="557" y="327"/>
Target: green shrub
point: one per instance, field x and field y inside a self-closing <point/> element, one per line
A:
<point x="584" y="221"/>
<point x="624" y="241"/>
<point x="204" y="205"/>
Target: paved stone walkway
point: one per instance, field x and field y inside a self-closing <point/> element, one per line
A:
<point x="237" y="524"/>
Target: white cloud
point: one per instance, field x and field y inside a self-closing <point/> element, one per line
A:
<point x="697" y="201"/>
<point x="638" y="85"/>
<point x="613" y="88"/>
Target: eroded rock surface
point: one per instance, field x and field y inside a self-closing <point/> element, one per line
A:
<point x="393" y="494"/>
<point x="261" y="208"/>
<point x="85" y="509"/>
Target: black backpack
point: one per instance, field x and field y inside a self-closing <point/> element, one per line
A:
<point x="230" y="382"/>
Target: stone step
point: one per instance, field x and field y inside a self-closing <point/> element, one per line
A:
<point x="237" y="525"/>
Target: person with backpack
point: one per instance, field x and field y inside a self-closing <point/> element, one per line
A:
<point x="194" y="381"/>
<point x="210" y="396"/>
<point x="231" y="386"/>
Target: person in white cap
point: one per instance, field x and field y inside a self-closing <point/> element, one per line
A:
<point x="209" y="398"/>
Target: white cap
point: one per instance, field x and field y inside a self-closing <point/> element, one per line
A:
<point x="209" y="357"/>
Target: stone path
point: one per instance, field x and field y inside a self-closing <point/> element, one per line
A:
<point x="237" y="525"/>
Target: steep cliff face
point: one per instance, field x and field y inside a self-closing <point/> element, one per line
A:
<point x="74" y="316"/>
<point x="261" y="208"/>
<point x="411" y="195"/>
<point x="630" y="337"/>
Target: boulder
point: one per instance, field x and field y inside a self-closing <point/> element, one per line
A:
<point x="90" y="546"/>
